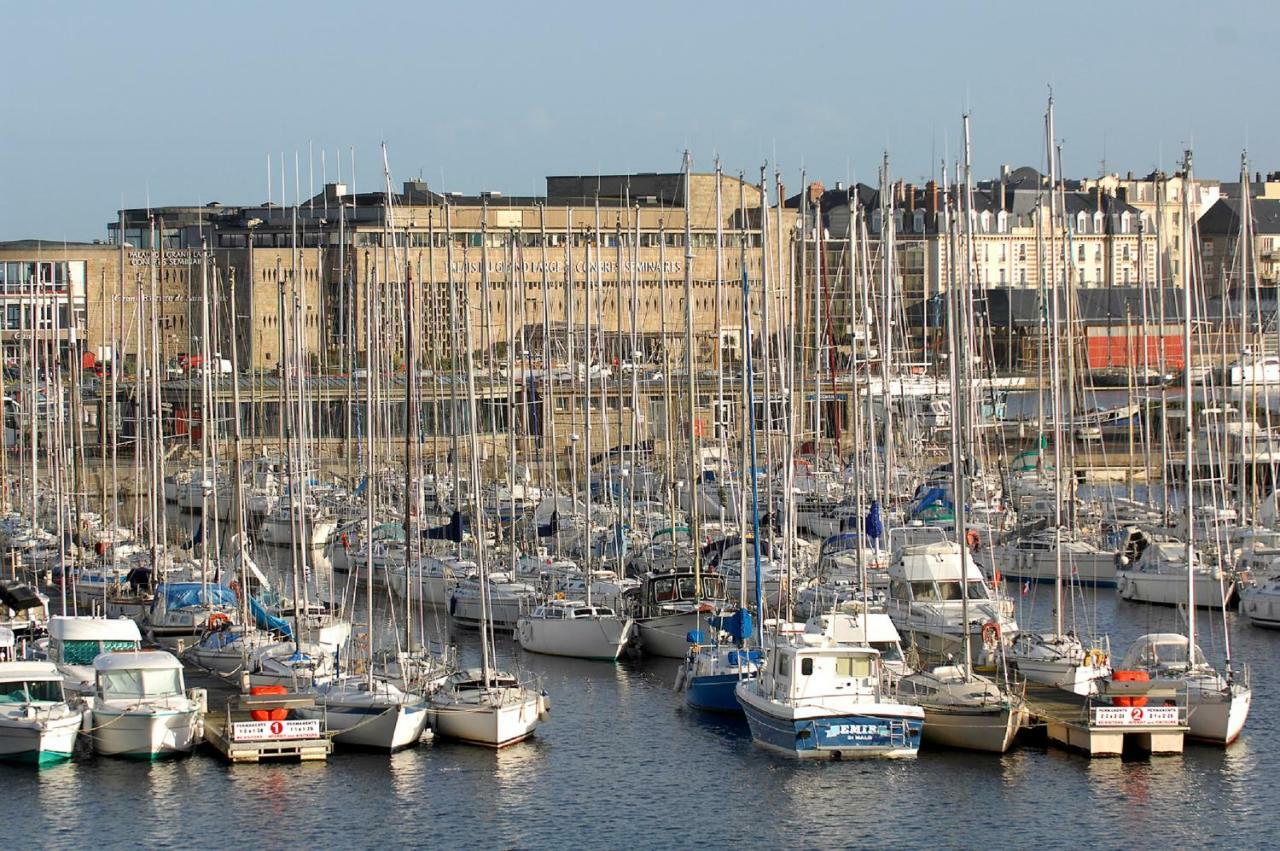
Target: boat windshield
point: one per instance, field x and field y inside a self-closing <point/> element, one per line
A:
<point x="83" y="652"/>
<point x="133" y="685"/>
<point x="890" y="651"/>
<point x="25" y="692"/>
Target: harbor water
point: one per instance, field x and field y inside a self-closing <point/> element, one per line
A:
<point x="623" y="763"/>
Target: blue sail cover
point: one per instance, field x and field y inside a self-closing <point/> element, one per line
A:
<point x="266" y="620"/>
<point x="933" y="496"/>
<point x="181" y="595"/>
<point x="875" y="523"/>
<point x="738" y="625"/>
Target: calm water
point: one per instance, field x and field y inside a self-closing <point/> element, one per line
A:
<point x="623" y="763"/>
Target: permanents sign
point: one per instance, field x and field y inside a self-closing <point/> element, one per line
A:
<point x="1135" y="716"/>
<point x="267" y="731"/>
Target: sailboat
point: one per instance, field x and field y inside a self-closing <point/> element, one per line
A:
<point x="1217" y="704"/>
<point x="961" y="708"/>
<point x="482" y="706"/>
<point x="576" y="628"/>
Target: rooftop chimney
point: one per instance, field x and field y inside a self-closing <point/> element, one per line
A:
<point x="815" y="192"/>
<point x="931" y="190"/>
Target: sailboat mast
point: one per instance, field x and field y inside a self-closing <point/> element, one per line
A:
<point x="1188" y="419"/>
<point x="691" y="401"/>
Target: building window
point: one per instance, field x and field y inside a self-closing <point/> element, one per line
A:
<point x="1080" y="252"/>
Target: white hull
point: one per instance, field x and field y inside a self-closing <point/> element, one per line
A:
<point x="667" y="636"/>
<point x="1170" y="589"/>
<point x="975" y="730"/>
<point x="1068" y="676"/>
<point x="503" y="611"/>
<point x="1216" y="716"/>
<point x="386" y="728"/>
<point x="432" y="590"/>
<point x="143" y="734"/>
<point x="511" y="721"/>
<point x="1261" y="608"/>
<point x="599" y="638"/>
<point x="38" y="741"/>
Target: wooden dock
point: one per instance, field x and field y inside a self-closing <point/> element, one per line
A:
<point x="1107" y="725"/>
<point x="236" y="735"/>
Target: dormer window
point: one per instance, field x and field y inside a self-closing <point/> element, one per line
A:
<point x="917" y="222"/>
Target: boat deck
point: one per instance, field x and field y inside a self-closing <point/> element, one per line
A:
<point x="1100" y="728"/>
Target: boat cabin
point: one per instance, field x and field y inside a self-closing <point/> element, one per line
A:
<point x="23" y="683"/>
<point x="149" y="675"/>
<point x="665" y="593"/>
<point x="78" y="641"/>
<point x="932" y="574"/>
<point x="570" y="610"/>
<point x="816" y="668"/>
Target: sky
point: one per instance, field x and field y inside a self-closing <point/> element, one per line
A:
<point x="129" y="103"/>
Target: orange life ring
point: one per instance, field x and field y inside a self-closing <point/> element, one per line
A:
<point x="216" y="621"/>
<point x="973" y="539"/>
<point x="990" y="632"/>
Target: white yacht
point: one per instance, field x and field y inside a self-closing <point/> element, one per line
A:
<point x="75" y="642"/>
<point x="37" y="726"/>
<point x="1039" y="556"/>
<point x="1217" y="706"/>
<point x="850" y="624"/>
<point x="487" y="708"/>
<point x="926" y="602"/>
<point x="572" y="628"/>
<point x="507" y="600"/>
<point x="1260" y="601"/>
<point x="817" y="699"/>
<point x="1160" y="576"/>
<point x="140" y="708"/>
<point x="184" y="610"/>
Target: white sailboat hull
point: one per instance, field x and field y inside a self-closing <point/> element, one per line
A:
<point x="510" y="721"/>
<point x="991" y="730"/>
<point x="599" y="638"/>
<point x="387" y="728"/>
<point x="1217" y="716"/>
<point x="1066" y="675"/>
<point x="1170" y="589"/>
<point x="668" y="635"/>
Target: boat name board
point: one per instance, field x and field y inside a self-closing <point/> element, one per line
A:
<point x="263" y="731"/>
<point x="1135" y="716"/>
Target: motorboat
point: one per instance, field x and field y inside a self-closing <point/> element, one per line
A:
<point x="573" y="628"/>
<point x="75" y="642"/>
<point x="928" y="605"/>
<point x="37" y="725"/>
<point x="818" y="699"/>
<point x="140" y="709"/>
